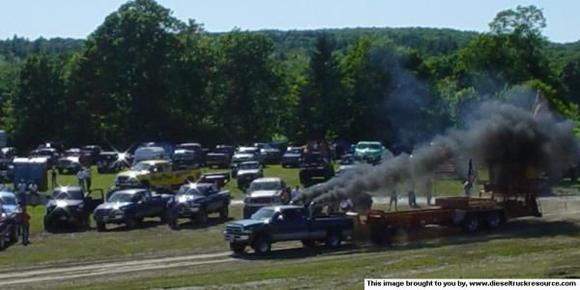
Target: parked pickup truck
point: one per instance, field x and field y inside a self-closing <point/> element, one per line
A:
<point x="8" y="219"/>
<point x="130" y="207"/>
<point x="70" y="206"/>
<point x="156" y="174"/>
<point x="195" y="201"/>
<point x="286" y="223"/>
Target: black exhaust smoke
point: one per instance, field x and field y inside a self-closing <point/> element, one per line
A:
<point x="497" y="132"/>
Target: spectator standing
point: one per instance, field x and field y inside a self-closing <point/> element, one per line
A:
<point x="53" y="177"/>
<point x="24" y="221"/>
<point x="88" y="178"/>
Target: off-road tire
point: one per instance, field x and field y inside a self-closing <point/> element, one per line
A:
<point x="471" y="223"/>
<point x="238" y="249"/>
<point x="333" y="239"/>
<point x="309" y="243"/>
<point x="101" y="226"/>
<point x="262" y="246"/>
<point x="202" y="216"/>
<point x="225" y="212"/>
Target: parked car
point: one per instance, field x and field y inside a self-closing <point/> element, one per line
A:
<point x="241" y="157"/>
<point x="270" y="154"/>
<point x="247" y="172"/>
<point x="196" y="201"/>
<point x="51" y="155"/>
<point x="315" y="169"/>
<point x="265" y="191"/>
<point x="286" y="223"/>
<point x="93" y="151"/>
<point x="184" y="159"/>
<point x="220" y="179"/>
<point x="156" y="174"/>
<point x="8" y="225"/>
<point x="8" y="202"/>
<point x="69" y="164"/>
<point x="292" y="157"/>
<point x="70" y="206"/>
<point x="130" y="207"/>
<point x="220" y="157"/>
<point x="198" y="152"/>
<point x="111" y="162"/>
<point x="370" y="151"/>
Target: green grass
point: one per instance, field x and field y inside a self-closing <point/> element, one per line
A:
<point x="497" y="256"/>
<point x="154" y="240"/>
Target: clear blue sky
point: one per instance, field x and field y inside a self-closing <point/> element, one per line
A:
<point x="78" y="18"/>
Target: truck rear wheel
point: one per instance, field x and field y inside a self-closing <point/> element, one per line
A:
<point x="13" y="235"/>
<point x="101" y="227"/>
<point x="224" y="212"/>
<point x="173" y="223"/>
<point x="471" y="223"/>
<point x="308" y="243"/>
<point x="202" y="216"/>
<point x="237" y="248"/>
<point x="262" y="246"/>
<point x="492" y="220"/>
<point x="333" y="239"/>
<point x="131" y="223"/>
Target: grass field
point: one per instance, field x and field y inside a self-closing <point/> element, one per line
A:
<point x="527" y="248"/>
<point x="153" y="239"/>
<point x="522" y="249"/>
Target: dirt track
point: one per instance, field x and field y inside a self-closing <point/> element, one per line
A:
<point x="554" y="208"/>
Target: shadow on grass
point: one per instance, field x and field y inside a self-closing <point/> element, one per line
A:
<point x="211" y="221"/>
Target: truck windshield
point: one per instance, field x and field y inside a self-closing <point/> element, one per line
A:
<point x="186" y="190"/>
<point x="249" y="166"/>
<point x="75" y="195"/>
<point x="263" y="214"/>
<point x="7" y="200"/>
<point x="272" y="185"/>
<point x="121" y="197"/>
<point x="368" y="146"/>
<point x="142" y="166"/>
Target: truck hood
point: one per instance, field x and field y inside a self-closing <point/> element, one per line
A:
<point x="248" y="171"/>
<point x="113" y="205"/>
<point x="187" y="198"/>
<point x="368" y="152"/>
<point x="291" y="155"/>
<point x="264" y="193"/>
<point x="9" y="209"/>
<point x="133" y="173"/>
<point x="65" y="202"/>
<point x="247" y="223"/>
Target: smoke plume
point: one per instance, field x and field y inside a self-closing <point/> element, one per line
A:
<point x="511" y="138"/>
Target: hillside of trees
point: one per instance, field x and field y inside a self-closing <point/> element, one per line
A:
<point x="145" y="75"/>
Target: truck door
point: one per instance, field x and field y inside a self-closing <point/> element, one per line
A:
<point x="289" y="225"/>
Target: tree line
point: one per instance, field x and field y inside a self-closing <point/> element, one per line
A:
<point x="144" y="75"/>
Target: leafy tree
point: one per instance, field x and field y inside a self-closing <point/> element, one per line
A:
<point x="248" y="88"/>
<point x="366" y="82"/>
<point x="524" y="21"/>
<point x="320" y="98"/>
<point x="123" y="76"/>
<point x="570" y="76"/>
<point x="36" y="112"/>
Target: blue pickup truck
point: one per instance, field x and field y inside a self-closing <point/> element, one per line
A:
<point x="130" y="207"/>
<point x="286" y="223"/>
<point x="195" y="201"/>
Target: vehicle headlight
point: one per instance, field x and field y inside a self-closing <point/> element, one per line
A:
<point x="3" y="215"/>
